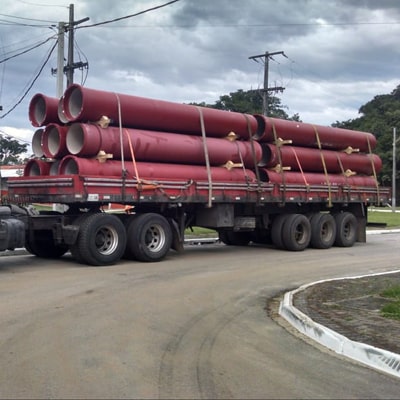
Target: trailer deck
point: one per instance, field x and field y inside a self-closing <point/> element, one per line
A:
<point x="71" y="189"/>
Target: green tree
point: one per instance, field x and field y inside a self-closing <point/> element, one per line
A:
<point x="379" y="116"/>
<point x="11" y="150"/>
<point x="250" y="102"/>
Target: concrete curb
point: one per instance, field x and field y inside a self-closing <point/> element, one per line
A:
<point x="374" y="357"/>
<point x="15" y="252"/>
<point x="382" y="231"/>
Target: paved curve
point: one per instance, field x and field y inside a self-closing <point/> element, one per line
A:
<point x="192" y="326"/>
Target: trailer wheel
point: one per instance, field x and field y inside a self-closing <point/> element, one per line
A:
<point x="323" y="231"/>
<point x="149" y="238"/>
<point x="231" y="238"/>
<point x="277" y="231"/>
<point x="346" y="229"/>
<point x="101" y="239"/>
<point x="296" y="233"/>
<point x="41" y="244"/>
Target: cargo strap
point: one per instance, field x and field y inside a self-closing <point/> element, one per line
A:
<point x="373" y="170"/>
<point x="253" y="153"/>
<point x="133" y="156"/>
<point x="242" y="163"/>
<point x="141" y="183"/>
<point x="206" y="156"/>
<point x="300" y="167"/>
<point x="324" y="166"/>
<point x="124" y="172"/>
<point x="140" y="186"/>
<point x="278" y="143"/>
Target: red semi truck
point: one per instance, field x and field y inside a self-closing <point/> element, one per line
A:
<point x="251" y="178"/>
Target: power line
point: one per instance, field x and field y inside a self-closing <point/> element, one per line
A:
<point x="9" y="23"/>
<point x="128" y="16"/>
<point x="84" y="64"/>
<point x="31" y="84"/>
<point x="27" y="50"/>
<point x="29" y="3"/>
<point x="273" y="25"/>
<point x="27" y="19"/>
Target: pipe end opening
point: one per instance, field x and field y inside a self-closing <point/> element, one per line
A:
<point x="75" y="139"/>
<point x="69" y="167"/>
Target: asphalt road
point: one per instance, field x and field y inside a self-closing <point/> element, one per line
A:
<point x="191" y="326"/>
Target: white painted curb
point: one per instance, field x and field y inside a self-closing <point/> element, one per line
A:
<point x="381" y="231"/>
<point x="374" y="357"/>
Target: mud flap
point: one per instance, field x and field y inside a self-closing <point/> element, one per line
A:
<point x="177" y="236"/>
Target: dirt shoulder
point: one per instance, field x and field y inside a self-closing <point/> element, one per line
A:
<point x="351" y="307"/>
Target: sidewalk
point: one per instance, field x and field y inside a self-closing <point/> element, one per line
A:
<point x="339" y="315"/>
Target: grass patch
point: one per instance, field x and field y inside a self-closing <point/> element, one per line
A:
<point x="199" y="231"/>
<point x="392" y="293"/>
<point x="392" y="220"/>
<point x="43" y="207"/>
<point x="392" y="309"/>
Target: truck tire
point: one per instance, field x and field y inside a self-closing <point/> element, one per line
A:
<point x="231" y="238"/>
<point x="101" y="240"/>
<point x="296" y="233"/>
<point x="41" y="244"/>
<point x="74" y="249"/>
<point x="323" y="230"/>
<point x="277" y="231"/>
<point x="149" y="238"/>
<point x="346" y="229"/>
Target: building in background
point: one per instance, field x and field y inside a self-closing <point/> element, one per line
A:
<point x="7" y="171"/>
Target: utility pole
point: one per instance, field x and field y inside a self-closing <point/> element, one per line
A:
<point x="71" y="65"/>
<point x="394" y="172"/>
<point x="60" y="60"/>
<point x="267" y="56"/>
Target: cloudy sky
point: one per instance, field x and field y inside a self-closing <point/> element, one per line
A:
<point x="338" y="54"/>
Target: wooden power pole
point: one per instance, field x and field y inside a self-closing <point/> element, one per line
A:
<point x="267" y="56"/>
<point x="69" y="68"/>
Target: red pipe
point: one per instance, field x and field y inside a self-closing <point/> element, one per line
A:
<point x="303" y="134"/>
<point x="316" y="179"/>
<point x="35" y="167"/>
<point x="43" y="110"/>
<point x="71" y="165"/>
<point x="55" y="164"/>
<point x="312" y="160"/>
<point x="37" y="143"/>
<point x="81" y="104"/>
<point x="60" y="112"/>
<point x="86" y="140"/>
<point x="53" y="141"/>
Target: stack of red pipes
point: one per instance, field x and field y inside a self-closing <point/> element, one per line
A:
<point x="98" y="133"/>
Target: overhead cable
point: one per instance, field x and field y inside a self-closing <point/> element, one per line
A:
<point x="27" y="50"/>
<point x="28" y="19"/>
<point x="31" y="84"/>
<point x="127" y="16"/>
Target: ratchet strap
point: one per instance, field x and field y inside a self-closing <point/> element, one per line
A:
<point x="206" y="156"/>
<point x="324" y="166"/>
<point x="373" y="169"/>
<point x="281" y="169"/>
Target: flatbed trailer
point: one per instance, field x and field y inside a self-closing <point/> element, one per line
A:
<point x="252" y="178"/>
<point x="290" y="216"/>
